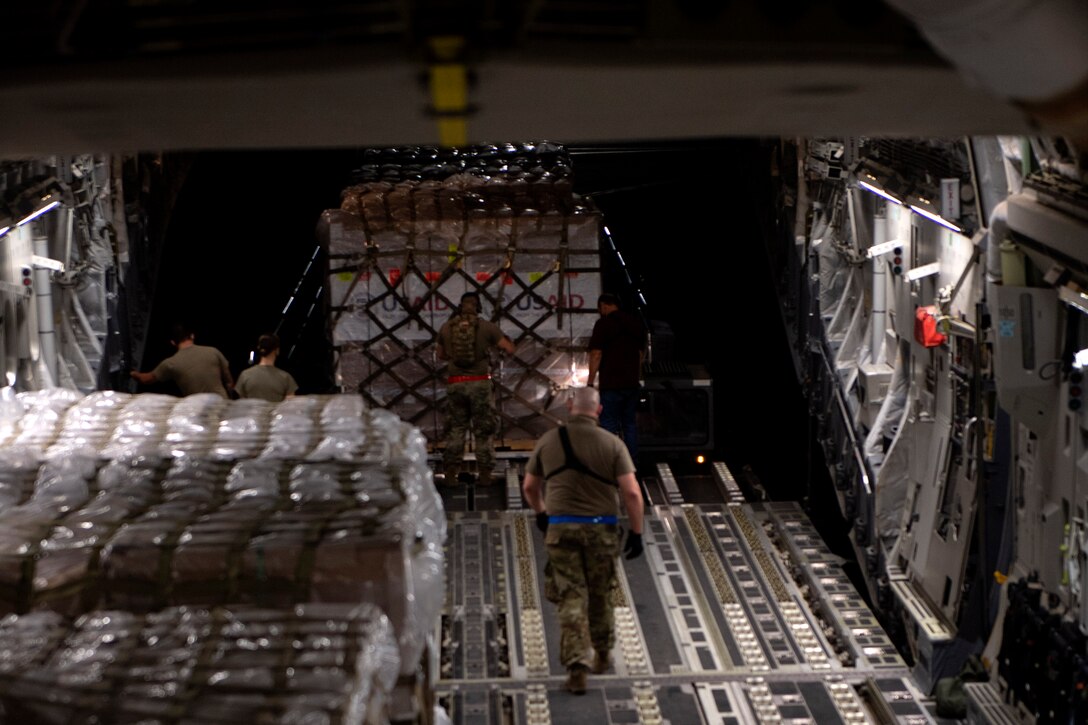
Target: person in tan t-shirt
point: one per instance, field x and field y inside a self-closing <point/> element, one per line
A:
<point x="586" y="470"/>
<point x="264" y="380"/>
<point x="194" y="368"/>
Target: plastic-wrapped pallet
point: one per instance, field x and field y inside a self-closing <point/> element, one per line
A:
<point x="193" y="424"/>
<point x="211" y="502"/>
<point x="62" y="485"/>
<point x="243" y="430"/>
<point x="311" y="663"/>
<point x="43" y="411"/>
<point x="87" y="425"/>
<point x="11" y="412"/>
<point x="402" y="254"/>
<point x="292" y="428"/>
<point x="139" y="427"/>
<point x="65" y="572"/>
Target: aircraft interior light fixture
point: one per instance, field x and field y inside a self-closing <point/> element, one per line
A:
<point x="29" y="199"/>
<point x="878" y="191"/>
<point x="936" y="218"/>
<point x="38" y="212"/>
<point x="887" y="184"/>
<point x="883" y="248"/>
<point x="1080" y="358"/>
<point x="925" y="270"/>
<point x="7" y="219"/>
<point x="1074" y="298"/>
<point x="881" y="180"/>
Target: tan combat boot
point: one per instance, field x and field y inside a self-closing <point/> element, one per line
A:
<point x="602" y="662"/>
<point x="576" y="679"/>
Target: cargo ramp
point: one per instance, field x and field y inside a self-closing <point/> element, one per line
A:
<point x="737" y="613"/>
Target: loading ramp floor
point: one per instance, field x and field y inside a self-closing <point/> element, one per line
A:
<point x="737" y="613"/>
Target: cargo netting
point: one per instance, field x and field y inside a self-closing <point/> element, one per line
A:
<point x="403" y="248"/>
<point x="140" y="502"/>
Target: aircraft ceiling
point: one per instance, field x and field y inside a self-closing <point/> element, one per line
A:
<point x="193" y="74"/>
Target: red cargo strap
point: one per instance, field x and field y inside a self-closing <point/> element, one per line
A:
<point x="466" y="378"/>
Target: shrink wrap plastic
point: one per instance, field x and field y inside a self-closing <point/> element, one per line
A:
<point x="18" y="471"/>
<point x="400" y="257"/>
<point x="141" y="502"/>
<point x="307" y="664"/>
<point x="86" y="426"/>
<point x="42" y="411"/>
<point x="11" y="412"/>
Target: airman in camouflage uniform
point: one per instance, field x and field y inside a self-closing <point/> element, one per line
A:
<point x="470" y="405"/>
<point x="583" y="575"/>
<point x="469" y="400"/>
<point x="571" y="481"/>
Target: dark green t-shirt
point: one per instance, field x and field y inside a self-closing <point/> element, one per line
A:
<point x="573" y="493"/>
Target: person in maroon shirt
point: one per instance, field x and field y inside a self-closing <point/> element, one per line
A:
<point x="617" y="349"/>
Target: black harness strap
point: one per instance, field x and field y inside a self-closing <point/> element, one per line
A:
<point x="573" y="463"/>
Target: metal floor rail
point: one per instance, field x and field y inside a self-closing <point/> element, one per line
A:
<point x="737" y="613"/>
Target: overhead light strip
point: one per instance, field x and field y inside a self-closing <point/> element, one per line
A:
<point x="933" y="217"/>
<point x="879" y="192"/>
<point x="917" y="209"/>
<point x="34" y="215"/>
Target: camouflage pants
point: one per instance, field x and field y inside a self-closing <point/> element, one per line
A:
<point x="582" y="559"/>
<point x="470" y="405"/>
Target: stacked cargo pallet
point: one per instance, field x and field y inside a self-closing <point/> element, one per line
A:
<point x="138" y="503"/>
<point x="425" y="226"/>
<point x="331" y="663"/>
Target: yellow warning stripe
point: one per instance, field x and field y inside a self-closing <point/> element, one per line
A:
<point x="449" y="90"/>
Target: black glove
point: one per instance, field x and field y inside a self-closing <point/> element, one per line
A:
<point x="542" y="522"/>
<point x="633" y="546"/>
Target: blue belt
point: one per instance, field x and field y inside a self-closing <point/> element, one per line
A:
<point x="581" y="519"/>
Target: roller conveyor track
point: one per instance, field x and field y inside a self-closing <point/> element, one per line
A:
<point x="737" y="613"/>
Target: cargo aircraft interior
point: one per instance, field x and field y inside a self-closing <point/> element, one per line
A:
<point x="856" y="235"/>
